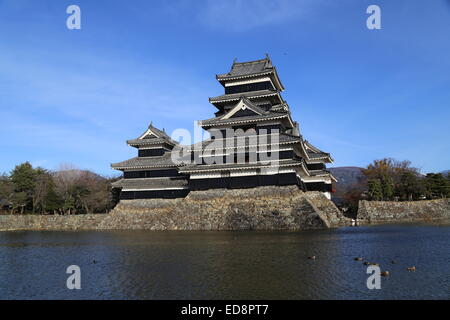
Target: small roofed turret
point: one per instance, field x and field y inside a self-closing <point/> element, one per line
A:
<point x="153" y="137"/>
<point x="154" y="148"/>
<point x="152" y="174"/>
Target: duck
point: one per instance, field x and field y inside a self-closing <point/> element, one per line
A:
<point x="358" y="259"/>
<point x="411" y="269"/>
<point x="384" y="273"/>
<point x="366" y="263"/>
<point x="312" y="258"/>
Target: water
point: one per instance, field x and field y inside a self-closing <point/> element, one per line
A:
<point x="227" y="265"/>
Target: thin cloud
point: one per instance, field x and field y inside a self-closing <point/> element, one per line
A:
<point x="102" y="95"/>
<point x="59" y="108"/>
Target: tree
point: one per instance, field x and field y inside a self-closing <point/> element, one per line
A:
<point x="375" y="191"/>
<point x="437" y="186"/>
<point x="6" y="190"/>
<point x="43" y="180"/>
<point x="18" y="200"/>
<point x="24" y="179"/>
<point x="350" y="200"/>
<point x="387" y="187"/>
<point x="66" y="191"/>
<point x="52" y="202"/>
<point x="93" y="192"/>
<point x="410" y="186"/>
<point x="379" y="169"/>
<point x="65" y="186"/>
<point x="15" y="199"/>
<point x="82" y="191"/>
<point x="114" y="195"/>
<point x="398" y="180"/>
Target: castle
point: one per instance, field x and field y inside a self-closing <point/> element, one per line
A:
<point x="253" y="142"/>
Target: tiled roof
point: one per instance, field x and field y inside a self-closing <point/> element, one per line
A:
<point x="159" y="133"/>
<point x="251" y="69"/>
<point x="319" y="173"/>
<point x="145" y="162"/>
<point x="238" y="96"/>
<point x="267" y="115"/>
<point x="239" y="166"/>
<point x="248" y="68"/>
<point x="283" y="138"/>
<point x="315" y="153"/>
<point x="320" y="155"/>
<point x="161" y="138"/>
<point x="280" y="107"/>
<point x="150" y="183"/>
<point x="322" y="173"/>
<point x="152" y="141"/>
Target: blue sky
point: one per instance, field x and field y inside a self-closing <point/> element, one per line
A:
<point x="75" y="96"/>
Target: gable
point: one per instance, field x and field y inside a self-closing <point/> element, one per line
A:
<point x="243" y="108"/>
<point x="153" y="133"/>
<point x="149" y="136"/>
<point x="243" y="113"/>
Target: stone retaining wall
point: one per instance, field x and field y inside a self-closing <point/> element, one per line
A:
<point x="381" y="211"/>
<point x="263" y="208"/>
<point x="50" y="222"/>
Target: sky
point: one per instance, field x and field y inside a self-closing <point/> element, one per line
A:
<point x="76" y="96"/>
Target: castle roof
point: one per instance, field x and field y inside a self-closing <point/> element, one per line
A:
<point x="249" y="95"/>
<point x="315" y="153"/>
<point x="241" y="166"/>
<point x="322" y="173"/>
<point x="249" y="69"/>
<point x="321" y="155"/>
<point x="283" y="138"/>
<point x="164" y="161"/>
<point x="266" y="116"/>
<point x="152" y="136"/>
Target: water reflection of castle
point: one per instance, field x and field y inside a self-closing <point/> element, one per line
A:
<point x="254" y="142"/>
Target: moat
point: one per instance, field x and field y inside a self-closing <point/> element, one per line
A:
<point x="227" y="265"/>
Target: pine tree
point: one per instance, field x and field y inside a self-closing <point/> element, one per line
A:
<point x="23" y="176"/>
<point x="375" y="191"/>
<point x="387" y="187"/>
<point x="437" y="186"/>
<point x="52" y="202"/>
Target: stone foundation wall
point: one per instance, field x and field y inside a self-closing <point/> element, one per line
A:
<point x="327" y="207"/>
<point x="263" y="208"/>
<point x="381" y="211"/>
<point x="50" y="222"/>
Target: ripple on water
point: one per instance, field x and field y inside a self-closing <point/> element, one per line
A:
<point x="227" y="265"/>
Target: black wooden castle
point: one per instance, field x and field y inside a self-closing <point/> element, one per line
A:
<point x="254" y="142"/>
